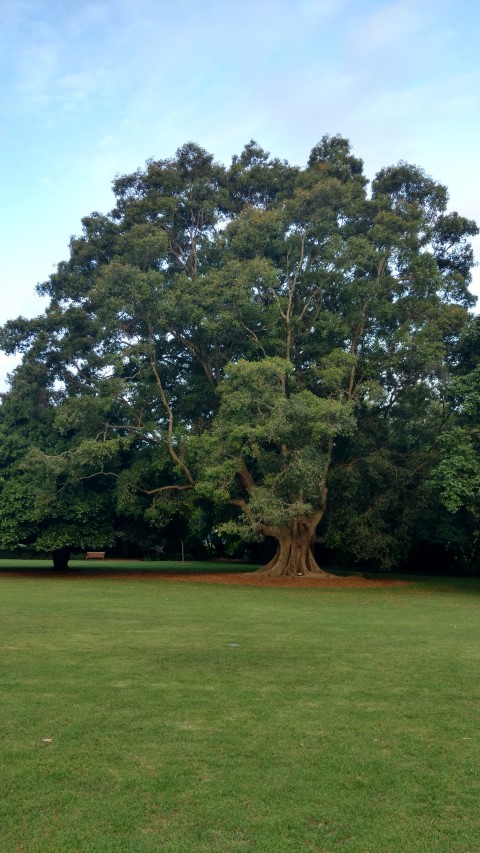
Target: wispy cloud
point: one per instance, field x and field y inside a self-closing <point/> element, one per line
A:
<point x="89" y="90"/>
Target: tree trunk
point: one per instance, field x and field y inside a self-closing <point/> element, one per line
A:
<point x="61" y="557"/>
<point x="294" y="557"/>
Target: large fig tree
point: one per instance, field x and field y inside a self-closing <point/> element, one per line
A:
<point x="245" y="331"/>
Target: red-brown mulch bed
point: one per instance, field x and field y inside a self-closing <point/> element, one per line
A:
<point x="252" y="579"/>
<point x="240" y="579"/>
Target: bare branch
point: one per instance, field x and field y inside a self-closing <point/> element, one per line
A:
<point x="99" y="474"/>
<point x="292" y="286"/>
<point x="254" y="337"/>
<point x="171" y="449"/>
<point x="164" y="489"/>
<point x="195" y="351"/>
<point x="310" y="302"/>
<point x="148" y="434"/>
<point x="87" y="477"/>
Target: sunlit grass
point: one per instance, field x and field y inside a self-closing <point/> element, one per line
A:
<point x="210" y="718"/>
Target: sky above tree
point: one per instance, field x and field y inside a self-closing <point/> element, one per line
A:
<point x="89" y="91"/>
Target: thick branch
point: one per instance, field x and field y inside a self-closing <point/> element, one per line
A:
<point x="241" y="503"/>
<point x="247" y="480"/>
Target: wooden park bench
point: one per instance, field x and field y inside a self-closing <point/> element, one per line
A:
<point x="95" y="555"/>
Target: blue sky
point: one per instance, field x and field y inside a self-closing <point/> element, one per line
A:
<point x="89" y="91"/>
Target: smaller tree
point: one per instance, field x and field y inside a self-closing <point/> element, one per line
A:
<point x="269" y="454"/>
<point x="45" y="503"/>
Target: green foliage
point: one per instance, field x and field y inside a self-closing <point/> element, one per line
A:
<point x="457" y="475"/>
<point x="229" y="342"/>
<point x="455" y="478"/>
<point x="284" y="437"/>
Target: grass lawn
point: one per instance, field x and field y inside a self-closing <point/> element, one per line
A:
<point x="83" y="566"/>
<point x="191" y="717"/>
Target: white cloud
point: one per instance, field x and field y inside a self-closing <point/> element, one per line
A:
<point x="92" y="90"/>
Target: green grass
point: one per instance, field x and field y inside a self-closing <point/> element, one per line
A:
<point x="191" y="717"/>
<point x="122" y="566"/>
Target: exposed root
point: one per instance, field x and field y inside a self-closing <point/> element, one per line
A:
<point x="293" y="560"/>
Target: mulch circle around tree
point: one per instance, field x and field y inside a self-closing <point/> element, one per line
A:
<point x="234" y="579"/>
<point x="252" y="579"/>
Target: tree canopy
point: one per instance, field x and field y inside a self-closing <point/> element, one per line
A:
<point x="243" y="341"/>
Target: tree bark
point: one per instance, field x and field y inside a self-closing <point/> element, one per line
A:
<point x="294" y="556"/>
<point x="61" y="557"/>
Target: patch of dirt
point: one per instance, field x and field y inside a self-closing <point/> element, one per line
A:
<point x="234" y="579"/>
